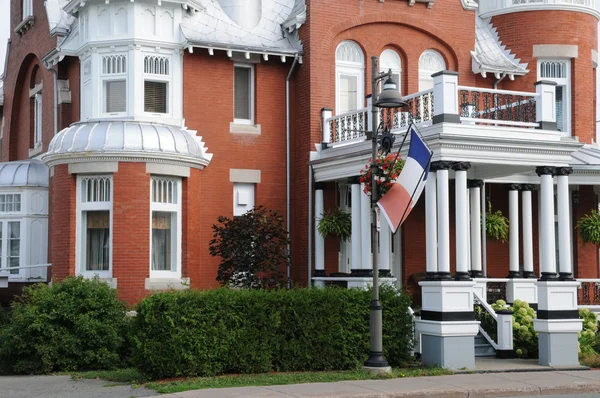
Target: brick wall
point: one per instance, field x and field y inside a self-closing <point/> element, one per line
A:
<point x="62" y="222"/>
<point x="208" y="108"/>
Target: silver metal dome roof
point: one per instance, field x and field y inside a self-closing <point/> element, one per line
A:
<point x="24" y="173"/>
<point x="127" y="141"/>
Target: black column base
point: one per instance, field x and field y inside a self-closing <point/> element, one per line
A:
<point x="462" y="276"/>
<point x="320" y="273"/>
<point x="376" y="360"/>
<point x="565" y="276"/>
<point x="444" y="276"/>
<point x="528" y="274"/>
<point x="431" y="276"/>
<point x="514" y="274"/>
<point x="361" y="273"/>
<point x="505" y="354"/>
<point x="476" y="274"/>
<point x="549" y="276"/>
<point x="385" y="273"/>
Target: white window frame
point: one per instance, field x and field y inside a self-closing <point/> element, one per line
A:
<point x="249" y="188"/>
<point x="175" y="272"/>
<point x="564" y="82"/>
<point x="4" y="263"/>
<point x="251" y="102"/>
<point x="353" y="69"/>
<point x="27" y="9"/>
<point x="110" y="77"/>
<point x="425" y="73"/>
<point x="161" y="78"/>
<point x="385" y="65"/>
<point x="81" y="224"/>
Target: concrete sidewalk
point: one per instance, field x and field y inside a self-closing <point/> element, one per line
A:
<point x="461" y="385"/>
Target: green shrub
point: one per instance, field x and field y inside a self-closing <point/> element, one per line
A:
<point x="193" y="333"/>
<point x="588" y="338"/>
<point x="77" y="324"/>
<point x="525" y="337"/>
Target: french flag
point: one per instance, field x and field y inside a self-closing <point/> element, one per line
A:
<point x="397" y="203"/>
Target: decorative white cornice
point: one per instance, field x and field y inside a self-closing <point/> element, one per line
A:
<point x="55" y="160"/>
<point x="469" y="4"/>
<point x="490" y="8"/>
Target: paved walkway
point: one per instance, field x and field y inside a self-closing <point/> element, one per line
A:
<point x="462" y="385"/>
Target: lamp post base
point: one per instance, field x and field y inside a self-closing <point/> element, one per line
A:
<point x="378" y="370"/>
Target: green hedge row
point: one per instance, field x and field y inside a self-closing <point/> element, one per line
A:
<point x="193" y="333"/>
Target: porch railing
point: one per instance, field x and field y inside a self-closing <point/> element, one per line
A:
<point x="489" y="8"/>
<point x="346" y="126"/>
<point x="497" y="107"/>
<point x="419" y="109"/>
<point x="589" y="292"/>
<point x="495" y="289"/>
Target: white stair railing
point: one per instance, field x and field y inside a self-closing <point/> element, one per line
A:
<point x="504" y="328"/>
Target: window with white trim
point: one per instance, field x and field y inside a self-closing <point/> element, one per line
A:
<point x="558" y="71"/>
<point x="27" y="9"/>
<point x="430" y="62"/>
<point x="114" y="84"/>
<point x="349" y="77"/>
<point x="94" y="225"/>
<point x="10" y="247"/>
<point x="390" y="59"/>
<point x="165" y="235"/>
<point x="243" y="198"/>
<point x="243" y="94"/>
<point x="10" y="203"/>
<point x="37" y="119"/>
<point x="157" y="79"/>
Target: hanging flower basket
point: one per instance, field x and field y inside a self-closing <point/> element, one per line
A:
<point x="388" y="170"/>
<point x="336" y="223"/>
<point x="496" y="225"/>
<point x="589" y="227"/>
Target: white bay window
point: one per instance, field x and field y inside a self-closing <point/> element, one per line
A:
<point x="94" y="225"/>
<point x="165" y="231"/>
<point x="114" y="84"/>
<point x="157" y="80"/>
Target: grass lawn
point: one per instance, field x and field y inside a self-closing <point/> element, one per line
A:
<point x="132" y="376"/>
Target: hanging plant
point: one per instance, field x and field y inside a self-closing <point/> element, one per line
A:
<point x="496" y="225"/>
<point x="589" y="227"/>
<point x="388" y="170"/>
<point x="336" y="223"/>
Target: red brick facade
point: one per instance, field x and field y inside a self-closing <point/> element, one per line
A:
<point x="208" y="109"/>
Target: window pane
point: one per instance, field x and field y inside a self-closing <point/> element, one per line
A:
<point x="116" y="99"/>
<point x="560" y="103"/>
<point x="242" y="93"/>
<point x="155" y="97"/>
<point x="97" y="240"/>
<point x="14" y="246"/>
<point x="163" y="230"/>
<point x="348" y="93"/>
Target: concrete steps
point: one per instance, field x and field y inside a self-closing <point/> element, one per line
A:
<point x="483" y="348"/>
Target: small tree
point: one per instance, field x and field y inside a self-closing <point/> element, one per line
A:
<point x="252" y="248"/>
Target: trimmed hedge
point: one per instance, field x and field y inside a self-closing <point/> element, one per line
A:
<point x="204" y="333"/>
<point x="78" y="324"/>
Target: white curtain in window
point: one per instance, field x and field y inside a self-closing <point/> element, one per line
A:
<point x="349" y="71"/>
<point x="348" y="92"/>
<point x="116" y="96"/>
<point x="98" y="241"/>
<point x="430" y="62"/>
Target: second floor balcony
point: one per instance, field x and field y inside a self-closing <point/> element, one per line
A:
<point x="490" y="8"/>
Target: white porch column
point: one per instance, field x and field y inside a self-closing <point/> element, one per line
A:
<point x="462" y="220"/>
<point x="385" y="247"/>
<point x="443" y="210"/>
<point x="365" y="232"/>
<point x="564" y="223"/>
<point x="431" y="223"/>
<point x="355" y="233"/>
<point x="513" y="230"/>
<point x="319" y="240"/>
<point x="548" y="261"/>
<point x="475" y="201"/>
<point x="527" y="232"/>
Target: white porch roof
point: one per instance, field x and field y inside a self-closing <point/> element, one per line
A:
<point x="24" y="173"/>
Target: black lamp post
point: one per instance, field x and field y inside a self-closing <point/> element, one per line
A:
<point x="390" y="97"/>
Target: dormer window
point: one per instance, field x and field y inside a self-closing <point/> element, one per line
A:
<point x="114" y="83"/>
<point x="156" y="84"/>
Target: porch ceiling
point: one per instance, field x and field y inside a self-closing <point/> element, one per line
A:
<point x="495" y="152"/>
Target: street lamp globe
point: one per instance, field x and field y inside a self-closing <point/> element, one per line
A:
<point x="390" y="97"/>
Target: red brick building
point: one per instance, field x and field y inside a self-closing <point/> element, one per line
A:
<point x="153" y="118"/>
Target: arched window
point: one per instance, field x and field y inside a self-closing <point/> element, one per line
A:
<point x="430" y="62"/>
<point x="35" y="101"/>
<point x="349" y="77"/>
<point x="390" y="59"/>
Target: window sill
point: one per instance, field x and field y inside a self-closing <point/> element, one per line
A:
<point x="25" y="25"/>
<point x="237" y="128"/>
<point x="35" y="151"/>
<point x="167" y="283"/>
